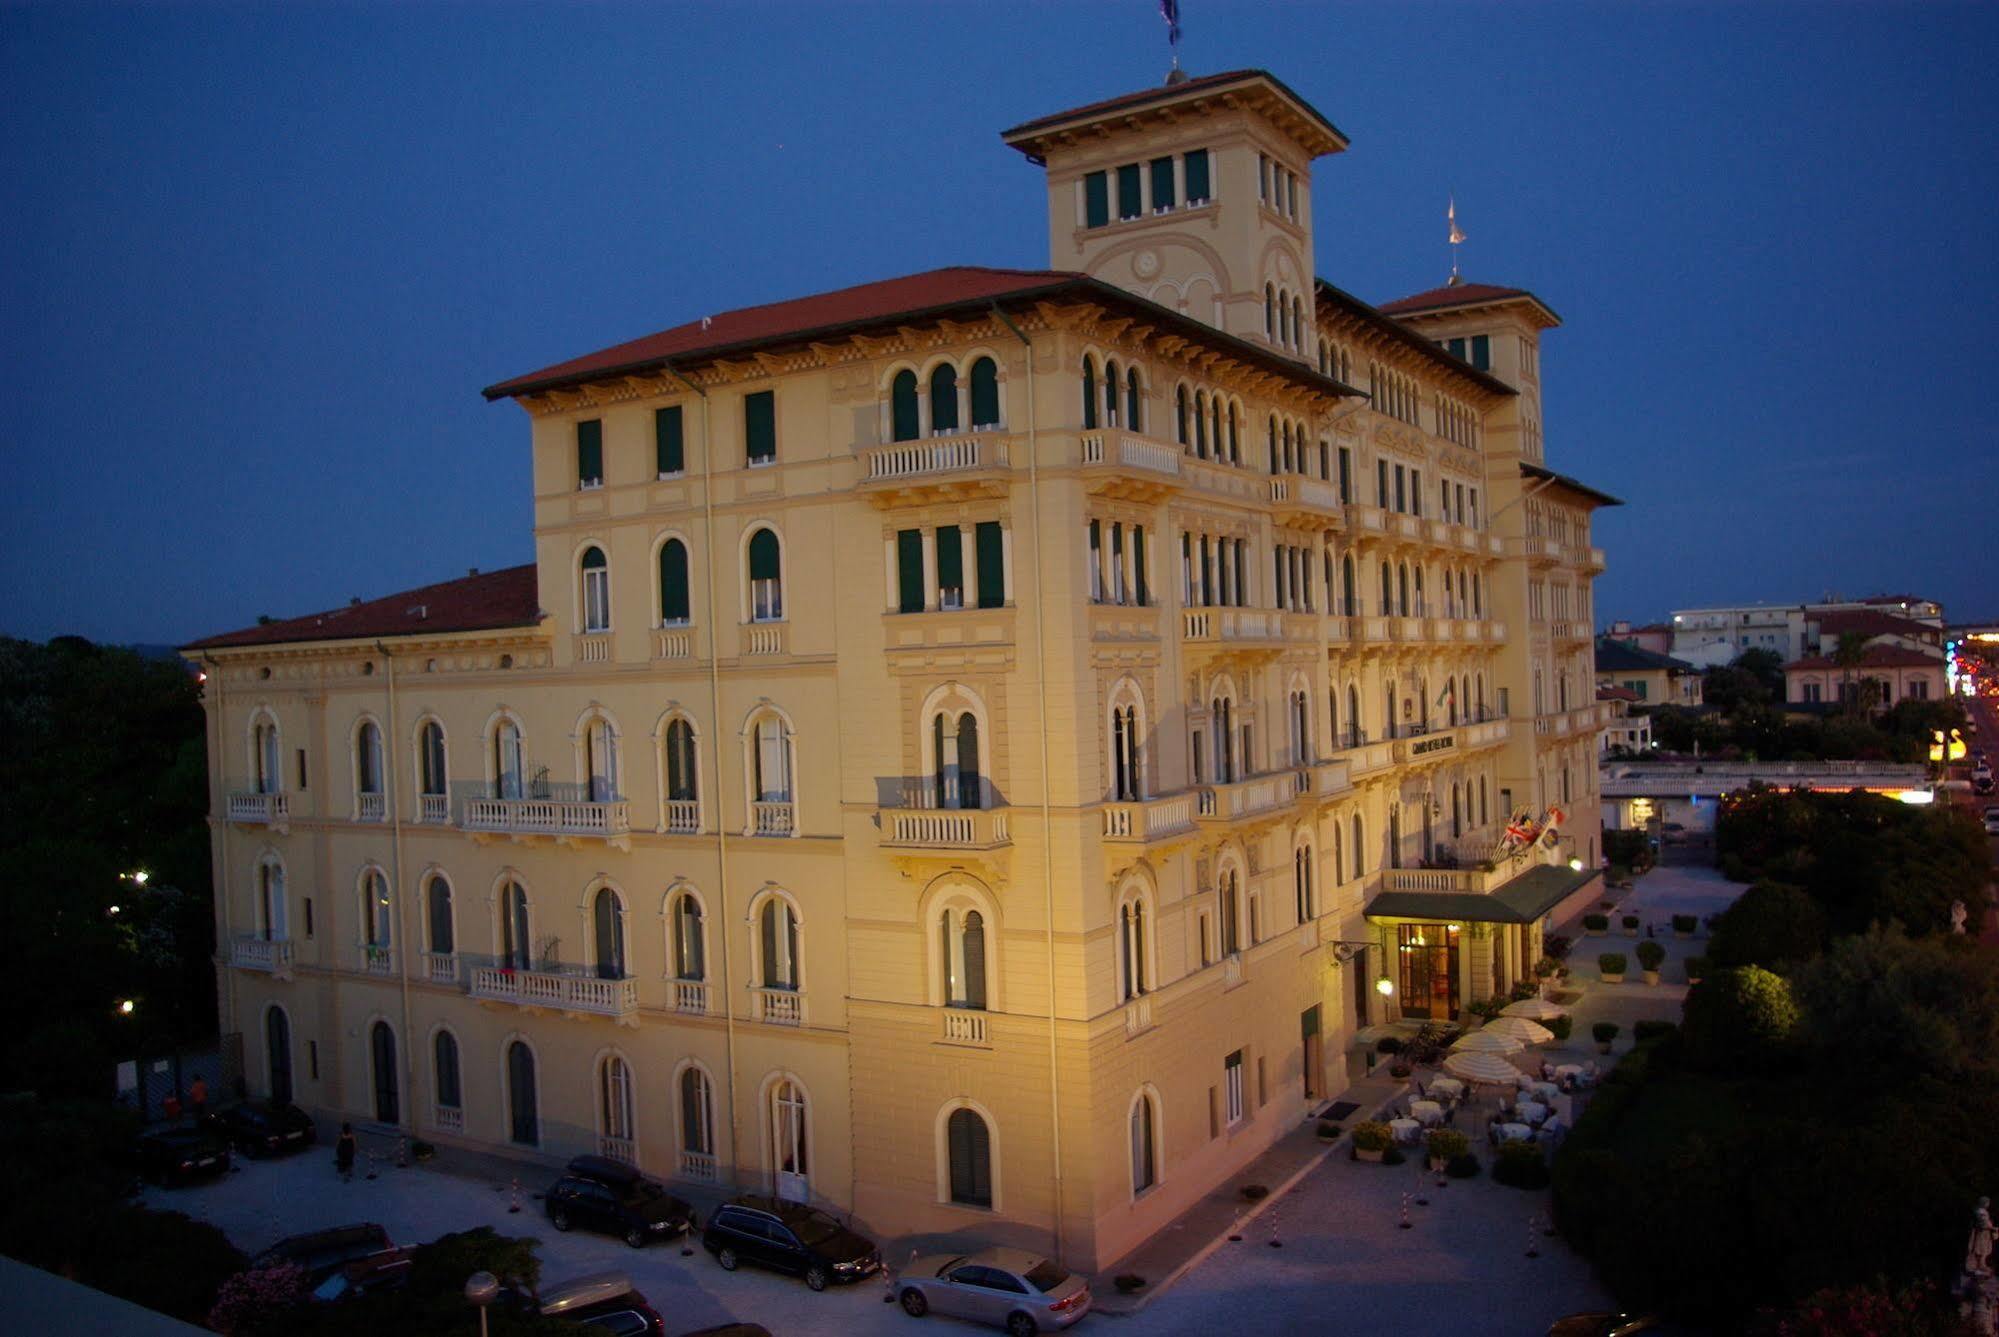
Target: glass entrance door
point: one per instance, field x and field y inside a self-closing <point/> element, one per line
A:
<point x="1429" y="961"/>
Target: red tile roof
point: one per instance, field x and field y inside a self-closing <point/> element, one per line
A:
<point x="1340" y="300"/>
<point x="1878" y="656"/>
<point x="1617" y="694"/>
<point x="1462" y="294"/>
<point x="1895" y="599"/>
<point x="1165" y="93"/>
<point x="821" y="313"/>
<point x="481" y="602"/>
<point x="1871" y="622"/>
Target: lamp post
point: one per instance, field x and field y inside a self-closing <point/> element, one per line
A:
<point x="482" y="1288"/>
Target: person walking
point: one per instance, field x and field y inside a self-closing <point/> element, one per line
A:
<point x="343" y="1152"/>
<point x="197" y="1097"/>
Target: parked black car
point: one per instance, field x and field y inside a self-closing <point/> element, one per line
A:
<point x="598" y="1193"/>
<point x="172" y="1156"/>
<point x="605" y="1302"/>
<point x="324" y="1252"/>
<point x="789" y="1237"/>
<point x="262" y="1129"/>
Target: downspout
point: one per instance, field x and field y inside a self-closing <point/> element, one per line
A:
<point x="723" y="923"/>
<point x="227" y="942"/>
<point x="393" y="800"/>
<point x="1047" y="832"/>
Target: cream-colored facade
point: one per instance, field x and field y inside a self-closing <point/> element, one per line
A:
<point x="968" y="815"/>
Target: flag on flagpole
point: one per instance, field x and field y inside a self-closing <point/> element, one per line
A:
<point x="1457" y="234"/>
<point x="1170" y="11"/>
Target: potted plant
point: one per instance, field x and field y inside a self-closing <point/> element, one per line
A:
<point x="1650" y="955"/>
<point x="1443" y="1146"/>
<point x="1255" y="1192"/>
<point x="1696" y="967"/>
<point x="422" y="1150"/>
<point x="1605" y="1032"/>
<point x="1611" y="965"/>
<point x="1328" y="1131"/>
<point x="1596" y="923"/>
<point x="1560" y="1027"/>
<point x="1684" y="925"/>
<point x="1370" y="1139"/>
<point x="1631" y="926"/>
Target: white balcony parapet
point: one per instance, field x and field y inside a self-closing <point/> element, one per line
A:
<point x="697" y="1165"/>
<point x="568" y="993"/>
<point x="771" y="819"/>
<point x="440" y="967"/>
<point x="683" y="816"/>
<point x="547" y="817"/>
<point x="269" y="809"/>
<point x="618" y="1148"/>
<point x="594" y="648"/>
<point x="965" y="1026"/>
<point x="673" y="642"/>
<point x="763" y="638"/>
<point x="1131" y="451"/>
<point x="1308" y="935"/>
<point x="1148" y="819"/>
<point x="371" y="807"/>
<point x="936" y="455"/>
<point x="689" y="996"/>
<point x="1231" y="624"/>
<point x="1232" y="970"/>
<point x="1245" y="798"/>
<point x="434" y="809"/>
<point x="272" y="954"/>
<point x="944" y="828"/>
<point x="378" y="960"/>
<point x="780" y="1007"/>
<point x="1137" y="1016"/>
<point x="451" y="1118"/>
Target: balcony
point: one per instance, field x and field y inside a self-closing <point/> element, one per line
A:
<point x="1405" y="526"/>
<point x="1322" y="779"/>
<point x="938" y="468"/>
<point x="591" y="648"/>
<point x="1366" y="520"/>
<point x="762" y="638"/>
<point x="1307" y="501"/>
<point x="433" y="809"/>
<point x="1572" y="631"/>
<point x="1242" y="800"/>
<point x="1589" y="559"/>
<point x="780" y="1007"/>
<point x="253" y="809"/>
<point x="1366" y="631"/>
<point x="378" y="960"/>
<point x="441" y="967"/>
<point x="1405" y="630"/>
<point x="771" y="819"/>
<point x="566" y="822"/>
<point x="1538" y="549"/>
<point x="1426" y="747"/>
<point x="571" y="995"/>
<point x="1487" y="733"/>
<point x="946" y="829"/>
<point x="1233" y="631"/>
<point x="1137" y="1016"/>
<point x="698" y="1165"/>
<point x="689" y="996"/>
<point x="965" y="1026"/>
<point x="273" y="955"/>
<point x="1143" y="821"/>
<point x="617" y="1149"/>
<point x="371" y="807"/>
<point x="1364" y="758"/>
<point x="683" y="816"/>
<point x="448" y="1118"/>
<point x="1123" y="465"/>
<point x="676" y="642"/>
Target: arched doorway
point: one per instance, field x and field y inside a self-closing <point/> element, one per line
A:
<point x="788" y="1142"/>
<point x="278" y="1054"/>
<point x="524" y="1118"/>
<point x="382" y="1044"/>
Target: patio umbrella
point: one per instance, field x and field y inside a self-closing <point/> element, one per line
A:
<point x="1534" y="1009"/>
<point x="1486" y="1041"/>
<point x="1481" y="1067"/>
<point x="1519" y="1028"/>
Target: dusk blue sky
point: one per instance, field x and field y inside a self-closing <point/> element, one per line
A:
<point x="260" y="260"/>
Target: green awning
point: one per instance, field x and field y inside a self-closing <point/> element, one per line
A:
<point x="1521" y="901"/>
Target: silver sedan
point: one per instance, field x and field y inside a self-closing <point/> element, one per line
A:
<point x="1009" y="1288"/>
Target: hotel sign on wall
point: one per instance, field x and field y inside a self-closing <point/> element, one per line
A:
<point x="1435" y="743"/>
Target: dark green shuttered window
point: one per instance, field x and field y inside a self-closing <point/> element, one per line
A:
<point x="590" y="453"/>
<point x="1130" y="192"/>
<point x="985" y="393"/>
<point x="950" y="564"/>
<point x="763" y="555"/>
<point x="669" y="440"/>
<point x="1162" y="183"/>
<point x="1089" y="393"/>
<point x="1481" y="352"/>
<point x="903" y="421"/>
<point x="1197" y="176"/>
<point x="760" y="426"/>
<point x="909" y="570"/>
<point x="1096" y="200"/>
<point x="1140" y="596"/>
<point x="992" y="565"/>
<point x="944" y="398"/>
<point x="673" y="581"/>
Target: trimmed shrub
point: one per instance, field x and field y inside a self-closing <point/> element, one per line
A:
<point x="1612" y="963"/>
<point x="1447" y="1144"/>
<point x="1739" y="1020"/>
<point x="1520" y="1165"/>
<point x="162" y="1260"/>
<point x="1328" y="1130"/>
<point x="1650" y="954"/>
<point x="1462" y="1167"/>
<point x="1642" y="1031"/>
<point x="1631" y="921"/>
<point x="1772" y="924"/>
<point x="1603" y="1032"/>
<point x="1557" y="945"/>
<point x="1372" y="1135"/>
<point x="1596" y="923"/>
<point x="249" y="1300"/>
<point x="1561" y="1026"/>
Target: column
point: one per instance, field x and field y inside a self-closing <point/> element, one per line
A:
<point x="930" y="568"/>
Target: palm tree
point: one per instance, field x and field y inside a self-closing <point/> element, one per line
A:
<point x="1848" y="655"/>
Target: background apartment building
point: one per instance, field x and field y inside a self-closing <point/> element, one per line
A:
<point x="969" y="746"/>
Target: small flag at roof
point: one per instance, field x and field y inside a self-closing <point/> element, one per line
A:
<point x="1170" y="11"/>
<point x="1457" y="233"/>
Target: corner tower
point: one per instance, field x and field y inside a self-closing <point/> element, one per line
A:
<point x="1196" y="195"/>
<point x="1496" y="330"/>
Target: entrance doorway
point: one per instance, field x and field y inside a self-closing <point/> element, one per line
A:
<point x="1429" y="971"/>
<point x="278" y="1054"/>
<point x="1308" y="1026"/>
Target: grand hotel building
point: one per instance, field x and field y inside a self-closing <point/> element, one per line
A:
<point x="971" y="748"/>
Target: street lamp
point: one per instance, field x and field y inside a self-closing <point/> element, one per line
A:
<point x="125" y="1006"/>
<point x="482" y="1288"/>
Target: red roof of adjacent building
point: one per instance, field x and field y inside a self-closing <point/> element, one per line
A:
<point x="481" y="602"/>
<point x="1463" y="294"/>
<point x="1617" y="694"/>
<point x="1878" y="656"/>
<point x="1895" y="599"/>
<point x="1870" y="622"/>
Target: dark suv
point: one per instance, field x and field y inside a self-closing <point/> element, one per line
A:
<point x="262" y="1129"/>
<point x="789" y="1237"/>
<point x="177" y="1155"/>
<point x="598" y="1193"/>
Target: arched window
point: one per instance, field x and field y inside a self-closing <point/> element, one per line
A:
<point x="507" y="767"/>
<point x="1131" y="418"/>
<point x="600" y="759"/>
<point x="1402" y="590"/>
<point x="1235" y="436"/>
<point x="1349" y="604"/>
<point x="1422" y="610"/>
<point x="437" y="905"/>
<point x="607" y="922"/>
<point x="377" y="919"/>
<point x="1457" y="813"/>
<point x="955" y="752"/>
<point x="1358" y="847"/>
<point x="1298" y="319"/>
<point x="278" y="1054"/>
<point x="962" y="954"/>
<point x="523" y="1113"/>
<point x="1355" y="735"/>
<point x="682" y="776"/>
<point x="1126" y="782"/>
<point x="382" y="1055"/>
<point x="1201" y="425"/>
<point x="697" y="1116"/>
<point x="596" y="590"/>
<point x="614" y="1108"/>
<point x="1089" y="394"/>
<point x="1387" y="590"/>
<point x="271" y="918"/>
<point x="1388" y="710"/>
<point x="445" y="1084"/>
<point x="674" y="606"/>
<point x="1134" y="964"/>
<point x="264" y="755"/>
<point x="1180" y="414"/>
<point x="689" y="946"/>
<point x="1484" y="813"/>
<point x="1301" y="728"/>
<point x="790" y="1141"/>
<point x="777" y="943"/>
<point x="1144" y="1144"/>
<point x="985" y="394"/>
<point x="1301" y="877"/>
<point x="516" y="948"/>
<point x="1269" y="311"/>
<point x="971" y="1158"/>
<point x="368" y="758"/>
<point x="1231" y="908"/>
<point x="904" y="424"/>
<point x="1113" y="379"/>
<point x="944" y="398"/>
<point x="766" y="578"/>
<point x="432" y="778"/>
<point x="770" y="759"/>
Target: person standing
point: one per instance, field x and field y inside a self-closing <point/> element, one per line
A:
<point x="343" y="1151"/>
<point x="197" y="1097"/>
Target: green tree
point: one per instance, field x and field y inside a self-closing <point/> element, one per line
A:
<point x="1773" y="924"/>
<point x="1739" y="1019"/>
<point x="1928" y="1006"/>
<point x="1847" y="656"/>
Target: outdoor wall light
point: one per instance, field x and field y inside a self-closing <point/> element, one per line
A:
<point x="125" y="1008"/>
<point x="1575" y="865"/>
<point x="1384" y="986"/>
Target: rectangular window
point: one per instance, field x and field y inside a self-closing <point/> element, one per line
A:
<point x="301" y="770"/>
<point x="1262" y="177"/>
<point x="1481" y="352"/>
<point x="1196" y="164"/>
<point x="1401" y="494"/>
<point x="1139" y="594"/>
<point x="1130" y="201"/>
<point x="308" y="916"/>
<point x="991" y="559"/>
<point x="1162" y="184"/>
<point x="1262" y="1086"/>
<point x="669" y="444"/>
<point x="312" y="1058"/>
<point x="1381" y="484"/>
<point x="1214" y="1114"/>
<point x="950" y="568"/>
<point x="760" y="427"/>
<point x="1232" y="1086"/>
<point x="909" y="570"/>
<point x="590" y="453"/>
<point x="1096" y="562"/>
<point x="1457" y="348"/>
<point x="1096" y="200"/>
<point x="1415" y="491"/>
<point x="1346" y="475"/>
<point x="1636" y="686"/>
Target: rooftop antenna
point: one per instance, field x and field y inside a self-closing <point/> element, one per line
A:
<point x="1170" y="11"/>
<point x="1457" y="240"/>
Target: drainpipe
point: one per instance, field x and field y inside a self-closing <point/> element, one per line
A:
<point x="723" y="923"/>
<point x="1047" y="832"/>
<point x="392" y="800"/>
<point x="227" y="993"/>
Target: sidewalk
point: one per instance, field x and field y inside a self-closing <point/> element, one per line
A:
<point x="1207" y="1225"/>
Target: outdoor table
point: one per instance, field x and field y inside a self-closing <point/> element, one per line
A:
<point x="1531" y="1111"/>
<point x="1448" y="1087"/>
<point x="1426" y="1112"/>
<point x="1568" y="1070"/>
<point x="1545" y="1091"/>
<point x="1405" y="1130"/>
<point x="1515" y="1132"/>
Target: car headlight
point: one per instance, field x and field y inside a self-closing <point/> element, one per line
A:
<point x="660" y="1225"/>
<point x="846" y="1267"/>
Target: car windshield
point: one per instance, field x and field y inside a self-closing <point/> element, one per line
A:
<point x="812" y="1227"/>
<point x="332" y="1288"/>
<point x="1045" y="1276"/>
<point x="949" y="1264"/>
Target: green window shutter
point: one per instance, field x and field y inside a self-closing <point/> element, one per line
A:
<point x="1197" y="176"/>
<point x="992" y="565"/>
<point x="1130" y="192"/>
<point x="763" y="555"/>
<point x="1089" y="393"/>
<point x="669" y="439"/>
<point x="950" y="558"/>
<point x="1138" y="565"/>
<point x="1481" y="351"/>
<point x="985" y="393"/>
<point x="1096" y="200"/>
<point x="944" y="398"/>
<point x="673" y="581"/>
<point x="1162" y="183"/>
<point x="1456" y="348"/>
<point x="909" y="570"/>
<point x="760" y="426"/>
<point x="903" y="422"/>
<point x="590" y="452"/>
